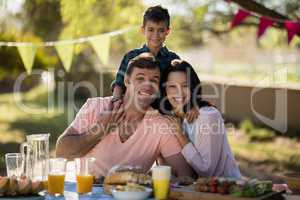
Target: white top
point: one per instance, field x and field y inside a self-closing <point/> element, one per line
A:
<point x="208" y="152"/>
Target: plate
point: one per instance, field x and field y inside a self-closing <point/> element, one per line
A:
<point x="131" y="195"/>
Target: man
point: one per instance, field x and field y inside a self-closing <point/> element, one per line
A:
<point x="129" y="133"/>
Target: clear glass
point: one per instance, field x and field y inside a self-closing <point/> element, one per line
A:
<point x="84" y="174"/>
<point x="14" y="164"/>
<point x="36" y="153"/>
<point x="161" y="176"/>
<point x="56" y="176"/>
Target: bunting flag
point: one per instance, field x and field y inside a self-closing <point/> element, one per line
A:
<point x="27" y="53"/>
<point x="292" y="28"/>
<point x="239" y="17"/>
<point x="65" y="52"/>
<point x="65" y="48"/>
<point x="265" y="22"/>
<point x="101" y="45"/>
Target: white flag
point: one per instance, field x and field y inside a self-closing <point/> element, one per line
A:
<point x="27" y="53"/>
<point x="101" y="45"/>
<point x="65" y="52"/>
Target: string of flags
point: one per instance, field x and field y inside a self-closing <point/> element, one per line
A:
<point x="65" y="48"/>
<point x="265" y="22"/>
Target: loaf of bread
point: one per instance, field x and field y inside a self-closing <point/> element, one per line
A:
<point x="123" y="178"/>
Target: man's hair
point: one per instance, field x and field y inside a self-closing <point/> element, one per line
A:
<point x="143" y="61"/>
<point x="157" y="14"/>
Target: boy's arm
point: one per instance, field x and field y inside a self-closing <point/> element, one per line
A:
<point x="118" y="85"/>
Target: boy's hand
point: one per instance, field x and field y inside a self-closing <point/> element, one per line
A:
<point x="117" y="91"/>
<point x="192" y="115"/>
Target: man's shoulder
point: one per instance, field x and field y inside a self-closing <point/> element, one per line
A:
<point x="96" y="101"/>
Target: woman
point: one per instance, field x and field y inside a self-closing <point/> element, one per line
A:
<point x="204" y="142"/>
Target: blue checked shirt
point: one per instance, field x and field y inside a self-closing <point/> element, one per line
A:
<point x="164" y="57"/>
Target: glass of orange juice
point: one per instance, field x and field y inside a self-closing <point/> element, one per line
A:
<point x="84" y="174"/>
<point x="161" y="176"/>
<point x="56" y="176"/>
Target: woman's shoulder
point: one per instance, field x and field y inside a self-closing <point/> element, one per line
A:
<point x="210" y="113"/>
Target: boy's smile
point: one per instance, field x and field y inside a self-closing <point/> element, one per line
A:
<point x="155" y="34"/>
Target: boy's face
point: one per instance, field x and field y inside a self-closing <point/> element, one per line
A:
<point x="155" y="33"/>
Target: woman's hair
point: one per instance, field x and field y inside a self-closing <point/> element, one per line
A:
<point x="193" y="82"/>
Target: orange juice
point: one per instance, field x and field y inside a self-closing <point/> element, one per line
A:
<point x="161" y="188"/>
<point x="84" y="183"/>
<point x="45" y="184"/>
<point x="56" y="184"/>
<point x="161" y="180"/>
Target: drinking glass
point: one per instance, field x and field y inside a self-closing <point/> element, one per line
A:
<point x="14" y="164"/>
<point x="56" y="176"/>
<point x="161" y="176"/>
<point x="84" y="174"/>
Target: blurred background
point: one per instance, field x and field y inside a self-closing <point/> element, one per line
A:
<point x="254" y="83"/>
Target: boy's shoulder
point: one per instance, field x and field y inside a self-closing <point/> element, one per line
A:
<point x="137" y="51"/>
<point x="168" y="53"/>
<point x="134" y="52"/>
<point x="173" y="55"/>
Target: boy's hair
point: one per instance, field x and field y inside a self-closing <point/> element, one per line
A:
<point x="157" y="14"/>
<point x="143" y="61"/>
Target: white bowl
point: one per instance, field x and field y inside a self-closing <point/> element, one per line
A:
<point x="131" y="195"/>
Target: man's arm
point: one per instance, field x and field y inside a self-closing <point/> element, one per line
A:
<point x="179" y="166"/>
<point x="72" y="144"/>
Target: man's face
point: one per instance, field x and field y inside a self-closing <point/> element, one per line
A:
<point x="143" y="86"/>
<point x="155" y="33"/>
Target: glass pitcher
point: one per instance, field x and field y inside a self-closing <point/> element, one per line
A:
<point x="36" y="154"/>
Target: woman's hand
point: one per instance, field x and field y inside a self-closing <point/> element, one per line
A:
<point x="179" y="132"/>
<point x="192" y="115"/>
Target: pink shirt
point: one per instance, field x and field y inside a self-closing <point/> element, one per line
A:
<point x="153" y="137"/>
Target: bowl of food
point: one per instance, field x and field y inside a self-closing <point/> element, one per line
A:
<point x="293" y="181"/>
<point x="131" y="191"/>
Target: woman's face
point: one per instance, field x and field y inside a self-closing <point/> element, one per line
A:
<point x="177" y="89"/>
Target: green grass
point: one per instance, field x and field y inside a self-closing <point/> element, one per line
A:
<point x="272" y="158"/>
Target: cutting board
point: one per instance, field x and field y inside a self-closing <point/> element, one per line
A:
<point x="188" y="193"/>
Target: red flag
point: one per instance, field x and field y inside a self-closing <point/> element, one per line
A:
<point x="292" y="29"/>
<point x="239" y="17"/>
<point x="264" y="23"/>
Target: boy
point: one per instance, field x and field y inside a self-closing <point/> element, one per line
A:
<point x="155" y="27"/>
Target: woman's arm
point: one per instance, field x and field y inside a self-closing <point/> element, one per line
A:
<point x="205" y="152"/>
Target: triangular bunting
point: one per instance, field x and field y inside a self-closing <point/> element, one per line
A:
<point x="65" y="52"/>
<point x="27" y="53"/>
<point x="292" y="29"/>
<point x="239" y="17"/>
<point x="264" y="23"/>
<point x="101" y="45"/>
